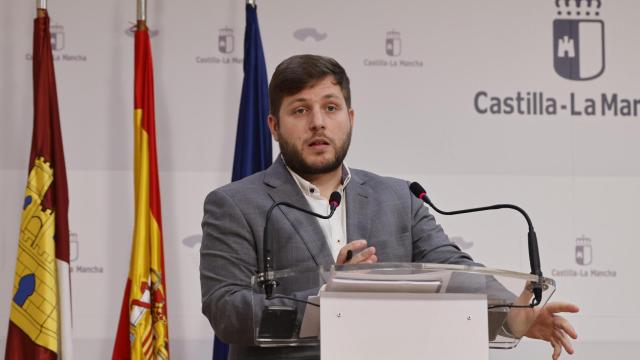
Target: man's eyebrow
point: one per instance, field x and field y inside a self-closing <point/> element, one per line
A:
<point x="297" y="100"/>
<point x="330" y="96"/>
<point x="303" y="99"/>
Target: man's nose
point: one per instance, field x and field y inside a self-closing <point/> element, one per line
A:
<point x="317" y="120"/>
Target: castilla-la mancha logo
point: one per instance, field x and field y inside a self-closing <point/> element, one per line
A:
<point x="578" y="39"/>
<point x="584" y="251"/>
<point x="393" y="43"/>
<point x="57" y="37"/>
<point x="226" y="40"/>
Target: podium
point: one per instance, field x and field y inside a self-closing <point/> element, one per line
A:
<point x="397" y="310"/>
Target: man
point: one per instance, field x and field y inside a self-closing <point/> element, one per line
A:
<point x="379" y="220"/>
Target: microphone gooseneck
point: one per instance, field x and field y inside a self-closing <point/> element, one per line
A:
<point x="267" y="279"/>
<point x="534" y="255"/>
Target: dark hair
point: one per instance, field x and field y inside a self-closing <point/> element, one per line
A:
<point x="301" y="71"/>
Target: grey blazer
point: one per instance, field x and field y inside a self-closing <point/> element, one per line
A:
<point x="379" y="209"/>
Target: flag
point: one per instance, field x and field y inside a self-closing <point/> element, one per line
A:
<point x="253" y="139"/>
<point x="143" y="331"/>
<point x="40" y="316"/>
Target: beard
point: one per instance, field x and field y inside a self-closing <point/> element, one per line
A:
<point x="295" y="160"/>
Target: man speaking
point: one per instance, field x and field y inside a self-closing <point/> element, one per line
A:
<point x="379" y="220"/>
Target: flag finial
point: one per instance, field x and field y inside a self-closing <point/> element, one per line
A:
<point x="141" y="10"/>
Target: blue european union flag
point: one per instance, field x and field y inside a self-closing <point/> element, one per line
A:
<point x="253" y="139"/>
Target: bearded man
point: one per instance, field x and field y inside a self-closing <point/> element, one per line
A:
<point x="379" y="220"/>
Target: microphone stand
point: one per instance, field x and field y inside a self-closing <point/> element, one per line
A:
<point x="534" y="255"/>
<point x="266" y="278"/>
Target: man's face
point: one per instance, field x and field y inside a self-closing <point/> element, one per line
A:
<point x="314" y="128"/>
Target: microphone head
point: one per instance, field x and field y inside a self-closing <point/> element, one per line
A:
<point x="418" y="190"/>
<point x="334" y="199"/>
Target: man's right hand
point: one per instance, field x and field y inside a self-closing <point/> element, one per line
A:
<point x="362" y="253"/>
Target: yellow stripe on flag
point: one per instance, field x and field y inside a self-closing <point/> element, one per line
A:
<point x="146" y="291"/>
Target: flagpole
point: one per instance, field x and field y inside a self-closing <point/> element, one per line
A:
<point x="41" y="6"/>
<point x="142" y="14"/>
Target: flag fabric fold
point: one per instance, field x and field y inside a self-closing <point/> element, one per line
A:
<point x="253" y="139"/>
<point x="40" y="316"/>
<point x="143" y="331"/>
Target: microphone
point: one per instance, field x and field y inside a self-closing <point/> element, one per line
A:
<point x="534" y="255"/>
<point x="268" y="282"/>
<point x="334" y="201"/>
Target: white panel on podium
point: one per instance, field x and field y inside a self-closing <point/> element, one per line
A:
<point x="369" y="326"/>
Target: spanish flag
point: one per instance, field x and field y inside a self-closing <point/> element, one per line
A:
<point x="40" y="316"/>
<point x="143" y="331"/>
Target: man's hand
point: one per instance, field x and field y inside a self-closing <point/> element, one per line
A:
<point x="362" y="253"/>
<point x="554" y="328"/>
<point x="543" y="323"/>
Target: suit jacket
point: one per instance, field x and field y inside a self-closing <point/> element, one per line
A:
<point x="379" y="209"/>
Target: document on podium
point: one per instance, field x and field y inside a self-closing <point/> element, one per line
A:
<point x="373" y="281"/>
<point x="390" y="281"/>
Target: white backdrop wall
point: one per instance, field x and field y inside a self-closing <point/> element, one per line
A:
<point x="431" y="83"/>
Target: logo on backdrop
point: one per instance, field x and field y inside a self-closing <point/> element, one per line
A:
<point x="57" y="37"/>
<point x="583" y="256"/>
<point x="303" y="34"/>
<point x="74" y="257"/>
<point x="58" y="44"/>
<point x="578" y="40"/>
<point x="584" y="251"/>
<point x="579" y="55"/>
<point x="393" y="48"/>
<point x="393" y="43"/>
<point x="461" y="242"/>
<point x="226" y="47"/>
<point x="226" y="41"/>
<point x="74" y="247"/>
<point x="192" y="240"/>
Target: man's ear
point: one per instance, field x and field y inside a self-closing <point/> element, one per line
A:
<point x="352" y="116"/>
<point x="273" y="126"/>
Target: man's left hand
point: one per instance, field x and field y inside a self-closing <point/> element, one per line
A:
<point x="554" y="328"/>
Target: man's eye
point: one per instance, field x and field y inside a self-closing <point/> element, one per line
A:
<point x="300" y="111"/>
<point x="332" y="108"/>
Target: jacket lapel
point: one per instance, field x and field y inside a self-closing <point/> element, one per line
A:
<point x="358" y="196"/>
<point x="282" y="187"/>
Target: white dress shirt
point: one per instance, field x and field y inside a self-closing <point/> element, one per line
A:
<point x="335" y="228"/>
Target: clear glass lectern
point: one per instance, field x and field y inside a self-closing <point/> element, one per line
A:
<point x="282" y="321"/>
